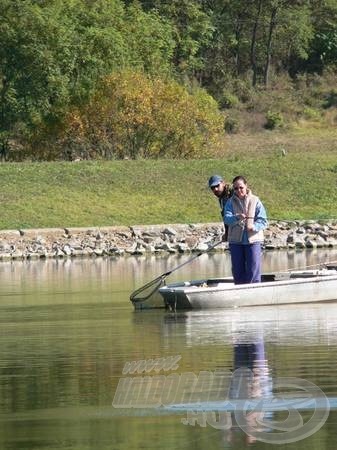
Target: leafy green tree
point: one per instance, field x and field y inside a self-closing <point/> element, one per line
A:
<point x="49" y="57"/>
<point x="53" y="53"/>
<point x="192" y="31"/>
<point x="252" y="36"/>
<point x="32" y="81"/>
<point x="149" y="40"/>
<point x="323" y="48"/>
<point x="289" y="34"/>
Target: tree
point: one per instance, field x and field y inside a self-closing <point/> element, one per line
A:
<point x="323" y="48"/>
<point x="253" y="44"/>
<point x="53" y="53"/>
<point x="192" y="31"/>
<point x="50" y="55"/>
<point x="251" y="36"/>
<point x="149" y="39"/>
<point x="33" y="62"/>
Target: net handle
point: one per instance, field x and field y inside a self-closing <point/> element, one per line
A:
<point x="159" y="280"/>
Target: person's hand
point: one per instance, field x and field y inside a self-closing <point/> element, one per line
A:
<point x="250" y="227"/>
<point x="241" y="216"/>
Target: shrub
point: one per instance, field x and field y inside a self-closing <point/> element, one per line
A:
<point x="330" y="99"/>
<point x="232" y="125"/>
<point x="229" y="100"/>
<point x="316" y="90"/>
<point x="134" y="116"/>
<point x="274" y="120"/>
<point x="236" y="90"/>
<point x="311" y="114"/>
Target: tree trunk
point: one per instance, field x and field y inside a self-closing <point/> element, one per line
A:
<point x="238" y="29"/>
<point x="253" y="61"/>
<point x="272" y="26"/>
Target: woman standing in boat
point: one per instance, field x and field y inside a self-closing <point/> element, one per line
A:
<point x="246" y="218"/>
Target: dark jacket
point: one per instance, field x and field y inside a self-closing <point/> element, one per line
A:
<point x="227" y="193"/>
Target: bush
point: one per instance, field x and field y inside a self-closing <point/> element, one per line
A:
<point x="274" y="120"/>
<point x="232" y="125"/>
<point x="311" y="114"/>
<point x="316" y="90"/>
<point x="330" y="99"/>
<point x="229" y="100"/>
<point x="132" y="116"/>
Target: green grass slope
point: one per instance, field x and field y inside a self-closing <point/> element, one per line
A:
<point x="300" y="185"/>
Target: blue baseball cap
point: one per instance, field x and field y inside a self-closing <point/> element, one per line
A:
<point x="214" y="180"/>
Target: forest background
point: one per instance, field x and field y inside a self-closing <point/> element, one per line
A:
<point x="242" y="86"/>
<point x="113" y="79"/>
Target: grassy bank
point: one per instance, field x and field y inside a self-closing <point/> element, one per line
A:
<point x="301" y="184"/>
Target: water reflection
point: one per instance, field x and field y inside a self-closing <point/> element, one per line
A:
<point x="251" y="379"/>
<point x="68" y="328"/>
<point x="118" y="275"/>
<point x="279" y="324"/>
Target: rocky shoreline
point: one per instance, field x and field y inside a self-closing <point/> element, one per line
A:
<point x="150" y="239"/>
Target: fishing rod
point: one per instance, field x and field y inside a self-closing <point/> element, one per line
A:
<point x="298" y="220"/>
<point x="328" y="264"/>
<point x="273" y="219"/>
<point x="141" y="294"/>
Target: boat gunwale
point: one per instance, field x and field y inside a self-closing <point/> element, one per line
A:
<point x="226" y="286"/>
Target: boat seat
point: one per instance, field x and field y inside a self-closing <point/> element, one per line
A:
<point x="268" y="277"/>
<point x="306" y="274"/>
<point x="275" y="276"/>
<point x="214" y="281"/>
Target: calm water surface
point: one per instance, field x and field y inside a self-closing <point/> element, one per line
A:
<point x="68" y="329"/>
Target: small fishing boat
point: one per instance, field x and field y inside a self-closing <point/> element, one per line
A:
<point x="305" y="286"/>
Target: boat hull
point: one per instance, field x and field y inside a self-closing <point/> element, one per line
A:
<point x="203" y="294"/>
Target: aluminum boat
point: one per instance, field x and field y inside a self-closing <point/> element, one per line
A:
<point x="301" y="286"/>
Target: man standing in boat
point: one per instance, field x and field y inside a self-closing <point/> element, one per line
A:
<point x="246" y="218"/>
<point x="223" y="191"/>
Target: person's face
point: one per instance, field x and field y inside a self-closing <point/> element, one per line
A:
<point x="218" y="189"/>
<point x="240" y="189"/>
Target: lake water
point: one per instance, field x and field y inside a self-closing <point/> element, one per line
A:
<point x="68" y="330"/>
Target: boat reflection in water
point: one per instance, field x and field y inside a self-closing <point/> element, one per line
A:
<point x="279" y="324"/>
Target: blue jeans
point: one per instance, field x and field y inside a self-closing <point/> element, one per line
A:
<point x="246" y="262"/>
